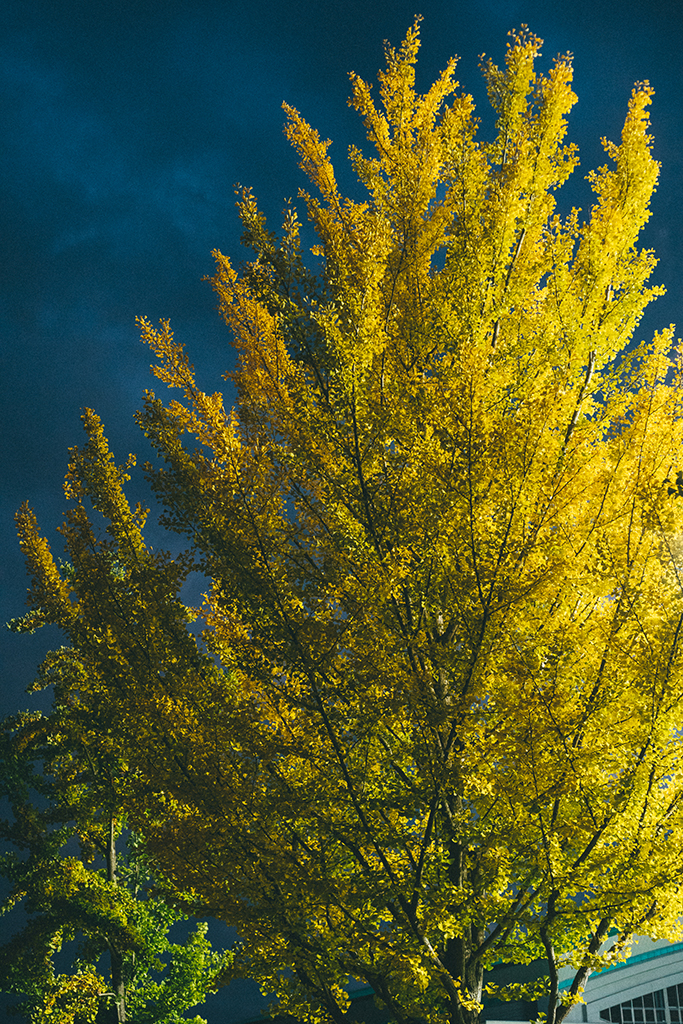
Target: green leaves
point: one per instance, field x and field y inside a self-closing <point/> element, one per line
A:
<point x="118" y="910"/>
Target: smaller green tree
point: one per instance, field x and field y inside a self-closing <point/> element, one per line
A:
<point x="95" y="947"/>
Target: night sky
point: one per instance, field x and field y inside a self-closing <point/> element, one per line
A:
<point x="126" y="126"/>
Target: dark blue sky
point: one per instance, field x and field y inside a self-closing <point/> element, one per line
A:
<point x="125" y="126"/>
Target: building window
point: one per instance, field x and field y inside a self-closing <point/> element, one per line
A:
<point x="674" y="997"/>
<point x="662" y="1007"/>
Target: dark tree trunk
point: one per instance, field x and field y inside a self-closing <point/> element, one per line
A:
<point x="458" y="956"/>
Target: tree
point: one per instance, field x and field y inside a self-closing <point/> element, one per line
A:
<point x="64" y="820"/>
<point x="433" y="722"/>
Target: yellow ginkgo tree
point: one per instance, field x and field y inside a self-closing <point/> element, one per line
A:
<point x="434" y="720"/>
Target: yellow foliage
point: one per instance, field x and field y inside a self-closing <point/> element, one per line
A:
<point x="74" y="999"/>
<point x="438" y="723"/>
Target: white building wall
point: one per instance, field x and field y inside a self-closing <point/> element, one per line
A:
<point x="651" y="966"/>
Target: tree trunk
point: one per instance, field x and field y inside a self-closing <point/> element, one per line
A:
<point x="458" y="953"/>
<point x="118" y="1011"/>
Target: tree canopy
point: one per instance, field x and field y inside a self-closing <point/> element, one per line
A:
<point x="432" y="721"/>
<point x="94" y="946"/>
